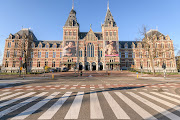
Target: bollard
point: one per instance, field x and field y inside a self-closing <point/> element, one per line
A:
<point x="137" y="74"/>
<point x="52" y="76"/>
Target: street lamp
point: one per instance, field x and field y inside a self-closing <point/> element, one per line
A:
<point x="141" y="69"/>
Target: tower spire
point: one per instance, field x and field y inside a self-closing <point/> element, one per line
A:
<point x="108" y="5"/>
<point x="73" y="4"/>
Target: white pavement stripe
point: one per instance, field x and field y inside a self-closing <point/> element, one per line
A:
<point x="15" y="99"/>
<point x="35" y="107"/>
<point x="162" y="101"/>
<point x="174" y="95"/>
<point x="143" y="113"/>
<point x="13" y="95"/>
<point x="118" y="111"/>
<point x="166" y="97"/>
<point x="74" y="110"/>
<point x="155" y="107"/>
<point x="55" y="107"/>
<point x="95" y="109"/>
<point x="6" y="93"/>
<point x="19" y="105"/>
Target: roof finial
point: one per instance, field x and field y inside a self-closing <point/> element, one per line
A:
<point x="72" y="4"/>
<point x="157" y="28"/>
<point x="90" y="26"/>
<point x="108" y="5"/>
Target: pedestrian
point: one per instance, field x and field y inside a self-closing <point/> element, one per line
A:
<point x="81" y="74"/>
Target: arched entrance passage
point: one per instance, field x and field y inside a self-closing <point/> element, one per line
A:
<point x="93" y="66"/>
<point x="100" y="66"/>
<point x="80" y="66"/>
<point x="87" y="66"/>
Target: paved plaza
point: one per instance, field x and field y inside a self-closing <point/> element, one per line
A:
<point x="91" y="97"/>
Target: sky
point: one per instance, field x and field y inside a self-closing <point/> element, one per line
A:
<point x="46" y="18"/>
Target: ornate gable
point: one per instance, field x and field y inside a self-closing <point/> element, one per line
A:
<point x="91" y="36"/>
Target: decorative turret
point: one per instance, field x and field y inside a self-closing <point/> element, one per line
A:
<point x="72" y="21"/>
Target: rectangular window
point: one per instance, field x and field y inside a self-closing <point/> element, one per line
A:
<point x="15" y="53"/>
<point x="126" y="54"/>
<point x="39" y="54"/>
<point x="40" y="46"/>
<point x="46" y="55"/>
<point x="60" y="54"/>
<point x="16" y="44"/>
<point x="54" y="54"/>
<point x="110" y="33"/>
<point x="101" y="53"/>
<point x="9" y="44"/>
<point x="32" y="54"/>
<point x="14" y="64"/>
<point x="115" y="33"/>
<point x="8" y="54"/>
<point x="30" y="63"/>
<point x="120" y="54"/>
<point x="106" y="33"/>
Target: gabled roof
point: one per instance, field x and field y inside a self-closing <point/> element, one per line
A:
<point x="154" y="32"/>
<point x="109" y="19"/>
<point x="27" y="32"/>
<point x="97" y="34"/>
<point x="72" y="21"/>
<point x="51" y="43"/>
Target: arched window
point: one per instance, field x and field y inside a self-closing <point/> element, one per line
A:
<point x="90" y="50"/>
<point x="46" y="63"/>
<point x="53" y="64"/>
<point x="6" y="64"/>
<point x="38" y="64"/>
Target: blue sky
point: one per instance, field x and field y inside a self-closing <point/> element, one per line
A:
<point x="47" y="17"/>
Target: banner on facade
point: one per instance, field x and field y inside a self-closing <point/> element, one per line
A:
<point x="111" y="48"/>
<point x="69" y="49"/>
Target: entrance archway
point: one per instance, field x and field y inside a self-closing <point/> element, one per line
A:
<point x="93" y="66"/>
<point x="80" y="66"/>
<point x="87" y="66"/>
<point x="100" y="66"/>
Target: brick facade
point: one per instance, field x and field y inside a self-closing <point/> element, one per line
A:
<point x="86" y="50"/>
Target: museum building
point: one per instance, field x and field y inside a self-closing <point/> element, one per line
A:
<point x="86" y="50"/>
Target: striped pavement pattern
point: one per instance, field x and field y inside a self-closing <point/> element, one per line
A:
<point x="142" y="103"/>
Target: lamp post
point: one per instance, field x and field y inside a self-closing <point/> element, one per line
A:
<point x="141" y="69"/>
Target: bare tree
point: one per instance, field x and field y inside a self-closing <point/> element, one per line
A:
<point x="149" y="43"/>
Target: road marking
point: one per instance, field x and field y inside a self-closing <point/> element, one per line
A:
<point x="143" y="113"/>
<point x="162" y="101"/>
<point x="82" y="87"/>
<point x="73" y="88"/>
<point x="18" y="89"/>
<point x="92" y="87"/>
<point x="28" y="86"/>
<point x="35" y="107"/>
<point x="118" y="111"/>
<point x="52" y="88"/>
<point x="62" y="88"/>
<point x="6" y="90"/>
<point x="155" y="107"/>
<point x="174" y="95"/>
<point x="16" y="99"/>
<point x="19" y="105"/>
<point x="30" y="89"/>
<point x="57" y="86"/>
<point x="75" y="85"/>
<point x="74" y="110"/>
<point x="95" y="109"/>
<point x="166" y="97"/>
<point x="55" y="107"/>
<point x="13" y="95"/>
<point x="6" y="93"/>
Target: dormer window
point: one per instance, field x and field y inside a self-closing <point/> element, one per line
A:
<point x="54" y="46"/>
<point x="32" y="45"/>
<point x="126" y="45"/>
<point x="47" y="46"/>
<point x="40" y="46"/>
